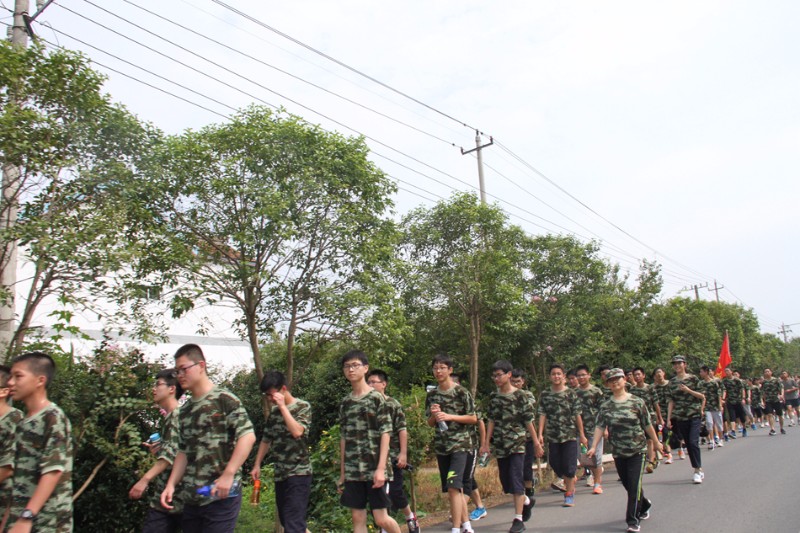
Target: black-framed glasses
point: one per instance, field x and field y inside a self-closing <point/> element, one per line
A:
<point x="183" y="369"/>
<point x="499" y="375"/>
<point x="352" y="366"/>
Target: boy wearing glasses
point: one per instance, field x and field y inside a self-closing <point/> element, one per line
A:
<point x="42" y="490"/>
<point x="285" y="440"/>
<point x="510" y="415"/>
<point x="450" y="408"/>
<point x="366" y="427"/>
<point x="214" y="439"/>
<point x="398" y="448"/>
<point x="9" y="418"/>
<point x="166" y="393"/>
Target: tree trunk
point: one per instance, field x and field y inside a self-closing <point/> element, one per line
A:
<point x="474" y="346"/>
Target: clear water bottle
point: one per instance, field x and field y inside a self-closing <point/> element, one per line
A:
<point x="484" y="459"/>
<point x="206" y="490"/>
<point x="442" y="425"/>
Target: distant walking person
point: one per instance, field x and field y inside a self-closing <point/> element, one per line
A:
<point x="772" y="390"/>
<point x="285" y="443"/>
<point x="166" y="393"/>
<point x="9" y="418"/>
<point x="216" y="436"/>
<point x="629" y="426"/>
<point x="685" y="408"/>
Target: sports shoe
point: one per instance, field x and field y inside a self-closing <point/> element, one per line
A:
<point x="752" y="426"/>
<point x="517" y="526"/>
<point x="791" y="424"/>
<point x="413" y="525"/>
<point x="633" y="528"/>
<point x="644" y="515"/>
<point x="558" y="485"/>
<point x="772" y="432"/>
<point x="744" y="432"/>
<point x="783" y="431"/>
<point x="711" y="445"/>
<point x="697" y="478"/>
<point x="527" y="510"/>
<point x="681" y="454"/>
<point x="590" y="480"/>
<point x="720" y="444"/>
<point x="668" y="460"/>
<point x="569" y="499"/>
<point x="598" y="489"/>
<point x="477" y="514"/>
<point x="732" y="434"/>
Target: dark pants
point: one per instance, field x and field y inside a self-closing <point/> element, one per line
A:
<point x="158" y="521"/>
<point x="630" y="471"/>
<point x="689" y="432"/>
<point x="216" y="517"/>
<point x="736" y="411"/>
<point x="397" y="494"/>
<point x="291" y="499"/>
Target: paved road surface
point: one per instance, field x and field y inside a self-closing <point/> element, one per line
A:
<point x="751" y="485"/>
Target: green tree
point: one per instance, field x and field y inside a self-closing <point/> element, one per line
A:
<point x="76" y="154"/>
<point x="463" y="263"/>
<point x="280" y="218"/>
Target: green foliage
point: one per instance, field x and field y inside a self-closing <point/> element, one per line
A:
<point x="260" y="517"/>
<point x="325" y="511"/>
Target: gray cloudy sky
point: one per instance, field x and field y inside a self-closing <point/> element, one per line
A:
<point x="676" y="121"/>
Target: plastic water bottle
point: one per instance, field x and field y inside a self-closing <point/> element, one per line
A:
<point x="442" y="425"/>
<point x="256" y="497"/>
<point x="155" y="439"/>
<point x="484" y="459"/>
<point x="206" y="490"/>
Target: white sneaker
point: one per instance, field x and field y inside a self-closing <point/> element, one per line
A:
<point x="711" y="445"/>
<point x="697" y="478"/>
<point x="590" y="480"/>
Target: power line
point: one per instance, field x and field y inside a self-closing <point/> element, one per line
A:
<point x="340" y="63"/>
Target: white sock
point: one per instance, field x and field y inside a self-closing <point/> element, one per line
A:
<point x="466" y="525"/>
<point x="518" y="517"/>
<point x="455" y="530"/>
<point x="410" y="515"/>
<point x="527" y="500"/>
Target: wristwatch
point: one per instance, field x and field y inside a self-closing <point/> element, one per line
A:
<point x="27" y="514"/>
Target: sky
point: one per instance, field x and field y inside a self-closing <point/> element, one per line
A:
<point x="665" y="131"/>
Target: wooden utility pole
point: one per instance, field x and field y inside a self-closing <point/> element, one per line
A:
<point x="716" y="289"/>
<point x="478" y="148"/>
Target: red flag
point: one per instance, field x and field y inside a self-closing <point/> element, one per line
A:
<point x="724" y="356"/>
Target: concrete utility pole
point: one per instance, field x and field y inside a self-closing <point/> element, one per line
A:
<point x="11" y="177"/>
<point x="696" y="289"/>
<point x="716" y="289"/>
<point x="478" y="148"/>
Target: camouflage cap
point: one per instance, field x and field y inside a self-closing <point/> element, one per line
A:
<point x="613" y="373"/>
<point x="679" y="359"/>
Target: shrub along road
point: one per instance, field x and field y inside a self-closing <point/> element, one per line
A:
<point x="750" y="485"/>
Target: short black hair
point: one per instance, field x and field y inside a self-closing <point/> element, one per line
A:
<point x="39" y="363"/>
<point x="192" y="351"/>
<point x="442" y="359"/>
<point x="170" y="377"/>
<point x="272" y="380"/>
<point x="584" y="368"/>
<point x="503" y="365"/>
<point x="705" y="368"/>
<point x="571" y="372"/>
<point x="640" y="369"/>
<point x="380" y="373"/>
<point x="355" y="354"/>
<point x="518" y="373"/>
<point x="656" y="369"/>
<point x="556" y="365"/>
<point x="5" y="373"/>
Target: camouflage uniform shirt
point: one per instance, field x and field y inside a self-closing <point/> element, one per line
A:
<point x="560" y="410"/>
<point x="591" y="400"/>
<point x="289" y="456"/>
<point x="686" y="406"/>
<point x="362" y="422"/>
<point x="713" y="391"/>
<point x="44" y="444"/>
<point x="755" y="396"/>
<point x="511" y="413"/>
<point x="771" y="389"/>
<point x="662" y="397"/>
<point x="647" y="395"/>
<point x="170" y="430"/>
<point x="532" y="402"/>
<point x="8" y="428"/>
<point x="735" y="389"/>
<point x="455" y="401"/>
<point x="398" y="417"/>
<point x="210" y="426"/>
<point x="626" y="422"/>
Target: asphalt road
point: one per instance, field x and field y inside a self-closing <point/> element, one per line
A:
<point x="751" y="486"/>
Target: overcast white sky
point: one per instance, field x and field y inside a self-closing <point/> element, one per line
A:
<point x="677" y="121"/>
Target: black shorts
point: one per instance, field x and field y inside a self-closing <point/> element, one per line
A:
<point x="357" y="494"/>
<point x="218" y="516"/>
<point x="453" y="470"/>
<point x="758" y="411"/>
<point x="527" y="464"/>
<point x="397" y="494"/>
<point x="510" y="469"/>
<point x="793" y="402"/>
<point x="773" y="408"/>
<point x="563" y="458"/>
<point x="158" y="521"/>
<point x="736" y="411"/>
<point x="291" y="499"/>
